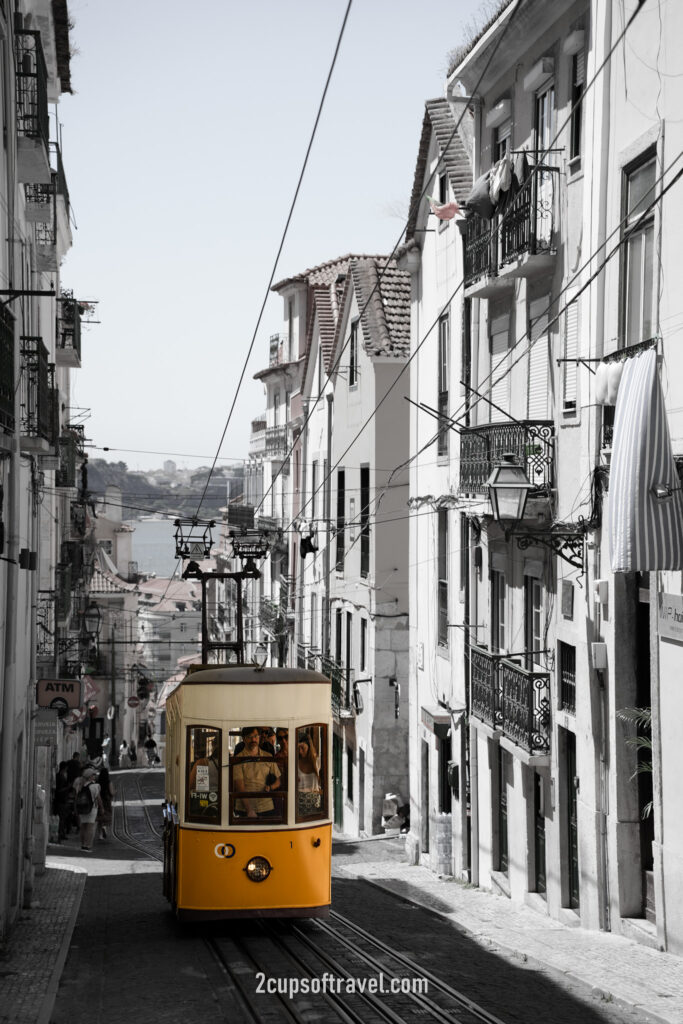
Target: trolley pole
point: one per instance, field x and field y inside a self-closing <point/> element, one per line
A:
<point x="194" y="572"/>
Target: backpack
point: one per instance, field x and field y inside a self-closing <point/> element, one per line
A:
<point x="84" y="800"/>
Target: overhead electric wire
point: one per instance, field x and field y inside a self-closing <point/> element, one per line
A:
<point x="282" y="241"/>
<point x="497" y="228"/>
<point x="413" y="210"/>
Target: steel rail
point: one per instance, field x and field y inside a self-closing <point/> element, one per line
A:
<point x="437" y="983"/>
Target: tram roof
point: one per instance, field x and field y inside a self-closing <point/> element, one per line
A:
<point x="241" y="675"/>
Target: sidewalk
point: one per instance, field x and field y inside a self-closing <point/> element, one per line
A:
<point x="32" y="963"/>
<point x="610" y="966"/>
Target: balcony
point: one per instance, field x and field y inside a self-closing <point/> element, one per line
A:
<point x="33" y="130"/>
<point x="40" y="203"/>
<point x="45" y="627"/>
<point x="518" y="241"/>
<point x="341" y="679"/>
<point x="276" y="441"/>
<point x="39" y="398"/>
<point x="7" y="419"/>
<point x="510" y="699"/>
<point x="69" y="446"/>
<point x="68" y="332"/>
<point x="481" y="448"/>
<point x="274" y="617"/>
<point x="63" y="591"/>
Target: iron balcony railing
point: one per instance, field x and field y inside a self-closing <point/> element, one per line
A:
<point x="45" y="626"/>
<point x="39" y="399"/>
<point x="511" y="699"/>
<point x="69" y="325"/>
<point x="40" y="203"/>
<point x="525" y="226"/>
<point x="341" y="679"/>
<point x="276" y="440"/>
<point x="65" y="475"/>
<point x="273" y="617"/>
<point x="7" y="419"/>
<point x="32" y="111"/>
<point x="482" y="448"/>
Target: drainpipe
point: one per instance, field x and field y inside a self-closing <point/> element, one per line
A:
<point x="602" y="123"/>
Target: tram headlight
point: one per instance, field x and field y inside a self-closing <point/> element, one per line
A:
<point x="258" y="869"/>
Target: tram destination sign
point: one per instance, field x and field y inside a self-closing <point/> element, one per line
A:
<point x="670" y="616"/>
<point x="58" y="693"/>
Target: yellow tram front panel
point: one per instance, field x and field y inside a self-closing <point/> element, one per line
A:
<point x="211" y="869"/>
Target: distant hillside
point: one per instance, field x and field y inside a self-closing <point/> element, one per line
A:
<point x="142" y="497"/>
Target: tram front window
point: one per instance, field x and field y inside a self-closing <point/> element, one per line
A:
<point x="204" y="774"/>
<point x="311" y="773"/>
<point x="258" y="775"/>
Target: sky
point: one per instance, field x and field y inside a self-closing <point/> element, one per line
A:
<point x="183" y="142"/>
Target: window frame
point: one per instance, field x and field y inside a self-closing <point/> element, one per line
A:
<point x="353" y="355"/>
<point x="443" y="358"/>
<point x="201" y="819"/>
<point x="323" y="811"/>
<point x="637" y="226"/>
<point x="442" y="577"/>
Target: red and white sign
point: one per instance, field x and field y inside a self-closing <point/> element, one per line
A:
<point x="90" y="691"/>
<point x="133" y="702"/>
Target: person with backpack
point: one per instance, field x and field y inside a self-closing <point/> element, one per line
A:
<point x="88" y="804"/>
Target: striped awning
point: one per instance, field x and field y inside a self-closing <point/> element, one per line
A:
<point x="645" y="531"/>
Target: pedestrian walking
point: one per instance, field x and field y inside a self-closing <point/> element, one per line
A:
<point x="62" y="804"/>
<point x="151" y="750"/>
<point x="105" y="813"/>
<point x="133" y="754"/>
<point x="124" y="755"/>
<point x="88" y="804"/>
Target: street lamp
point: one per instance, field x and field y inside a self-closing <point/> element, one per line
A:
<point x="508" y="487"/>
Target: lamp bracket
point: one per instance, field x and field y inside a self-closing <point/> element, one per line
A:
<point x="569" y="545"/>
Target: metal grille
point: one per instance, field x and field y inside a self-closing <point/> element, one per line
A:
<point x="32" y="112"/>
<point x="512" y="699"/>
<point x="482" y="447"/>
<point x="38" y="395"/>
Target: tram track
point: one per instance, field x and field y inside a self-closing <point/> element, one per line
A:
<point x="350" y="958"/>
<point x="121" y="824"/>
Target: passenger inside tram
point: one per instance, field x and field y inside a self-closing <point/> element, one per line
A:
<point x="259" y="773"/>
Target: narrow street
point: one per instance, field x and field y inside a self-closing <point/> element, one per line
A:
<point x="129" y="958"/>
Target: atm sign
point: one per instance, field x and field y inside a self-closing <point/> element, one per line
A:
<point x="58" y="693"/>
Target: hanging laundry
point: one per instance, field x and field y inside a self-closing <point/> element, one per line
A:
<point x="520" y="169"/>
<point x="445" y="211"/>
<point x="501" y="179"/>
<point x="479" y="199"/>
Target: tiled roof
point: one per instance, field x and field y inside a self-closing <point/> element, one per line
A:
<point x="383" y="295"/>
<point x="105" y="583"/>
<point x="438" y="119"/>
<point x="324" y="273"/>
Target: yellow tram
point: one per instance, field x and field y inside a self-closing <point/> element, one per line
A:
<point x="248" y="804"/>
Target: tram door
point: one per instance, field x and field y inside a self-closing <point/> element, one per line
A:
<point x="337" y="780"/>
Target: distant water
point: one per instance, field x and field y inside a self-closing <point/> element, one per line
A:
<point x="154" y="546"/>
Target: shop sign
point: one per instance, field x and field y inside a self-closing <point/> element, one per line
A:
<point x="58" y="693"/>
<point x="670" y="616"/>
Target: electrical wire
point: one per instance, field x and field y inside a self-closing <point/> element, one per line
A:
<point x="282" y="239"/>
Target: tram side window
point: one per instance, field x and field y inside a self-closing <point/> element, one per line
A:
<point x="203" y="802"/>
<point x="258" y="774"/>
<point x="311" y="775"/>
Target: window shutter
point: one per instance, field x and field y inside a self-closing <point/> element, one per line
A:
<point x="500" y="338"/>
<point x="571" y="351"/>
<point x="538" y="360"/>
<point x="580" y="68"/>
